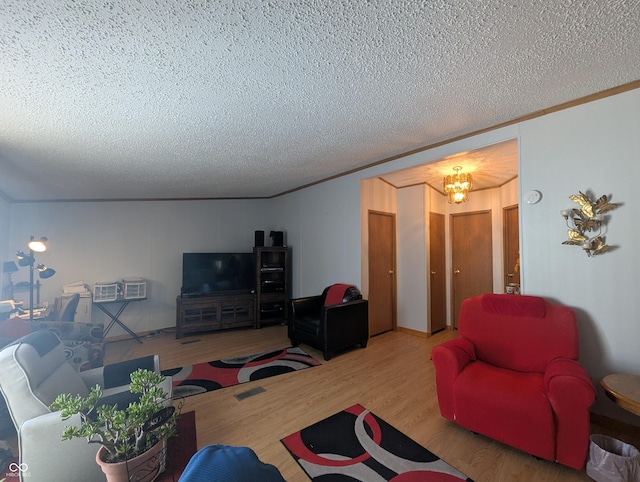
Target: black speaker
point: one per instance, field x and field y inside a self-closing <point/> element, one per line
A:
<point x="259" y="238"/>
<point x="278" y="238"/>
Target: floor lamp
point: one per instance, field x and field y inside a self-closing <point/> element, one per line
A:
<point x="35" y="246"/>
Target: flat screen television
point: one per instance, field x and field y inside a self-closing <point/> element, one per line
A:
<point x="217" y="273"/>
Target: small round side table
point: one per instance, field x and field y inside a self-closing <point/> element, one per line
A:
<point x="624" y="390"/>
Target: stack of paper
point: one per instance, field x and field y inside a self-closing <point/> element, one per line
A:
<point x="76" y="287"/>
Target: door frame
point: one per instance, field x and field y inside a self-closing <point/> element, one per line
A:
<point x="431" y="274"/>
<point x="505" y="242"/>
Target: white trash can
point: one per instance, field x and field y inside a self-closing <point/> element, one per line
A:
<point x="611" y="460"/>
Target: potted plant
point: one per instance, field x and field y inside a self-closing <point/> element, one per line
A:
<point x="130" y="436"/>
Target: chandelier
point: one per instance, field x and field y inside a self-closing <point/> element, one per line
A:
<point x="457" y="186"/>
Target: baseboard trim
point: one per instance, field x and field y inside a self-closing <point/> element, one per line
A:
<point x="413" y="332"/>
<point x="141" y="334"/>
<point x="615" y="425"/>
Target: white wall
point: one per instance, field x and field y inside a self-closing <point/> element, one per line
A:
<point x="411" y="275"/>
<point x="323" y="231"/>
<point x="107" y="241"/>
<point x="592" y="147"/>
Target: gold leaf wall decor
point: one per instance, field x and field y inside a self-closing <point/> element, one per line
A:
<point x="588" y="219"/>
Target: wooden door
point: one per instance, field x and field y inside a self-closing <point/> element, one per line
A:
<point x="471" y="257"/>
<point x="437" y="278"/>
<point x="382" y="269"/>
<point x="511" y="246"/>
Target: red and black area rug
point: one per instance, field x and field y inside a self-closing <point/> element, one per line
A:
<point x="205" y="377"/>
<point x="355" y="444"/>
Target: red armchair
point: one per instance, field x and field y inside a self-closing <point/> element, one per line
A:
<point x="513" y="375"/>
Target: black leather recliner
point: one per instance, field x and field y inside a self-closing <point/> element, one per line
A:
<point x="331" y="327"/>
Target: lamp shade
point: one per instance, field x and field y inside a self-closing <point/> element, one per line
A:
<point x="45" y="272"/>
<point x="38" y="245"/>
<point x="9" y="267"/>
<point x="23" y="259"/>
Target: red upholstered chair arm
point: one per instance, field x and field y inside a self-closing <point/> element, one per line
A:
<point x="570" y="393"/>
<point x="449" y="359"/>
<point x="457" y="353"/>
<point x="563" y="372"/>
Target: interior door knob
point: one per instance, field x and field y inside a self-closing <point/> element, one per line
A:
<point x="456" y="271"/>
<point x="433" y="272"/>
<point x="391" y="272"/>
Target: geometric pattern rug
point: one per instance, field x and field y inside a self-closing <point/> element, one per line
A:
<point x="355" y="444"/>
<point x="208" y="376"/>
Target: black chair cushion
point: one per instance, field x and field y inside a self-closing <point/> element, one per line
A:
<point x="309" y="325"/>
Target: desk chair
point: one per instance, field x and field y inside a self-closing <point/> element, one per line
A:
<point x="64" y="309"/>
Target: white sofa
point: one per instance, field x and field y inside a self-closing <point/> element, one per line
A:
<point x="34" y="372"/>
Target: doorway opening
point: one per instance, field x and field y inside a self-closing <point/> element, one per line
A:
<point x="424" y="237"/>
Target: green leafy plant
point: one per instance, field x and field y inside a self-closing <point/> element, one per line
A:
<point x="125" y="433"/>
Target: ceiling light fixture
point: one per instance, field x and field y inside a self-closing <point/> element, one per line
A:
<point x="457" y="186"/>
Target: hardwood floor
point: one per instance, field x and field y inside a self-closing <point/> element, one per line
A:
<point x="393" y="377"/>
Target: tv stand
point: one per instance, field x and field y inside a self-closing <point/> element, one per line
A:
<point x="214" y="312"/>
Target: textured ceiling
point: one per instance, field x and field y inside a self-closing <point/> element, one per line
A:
<point x="128" y="99"/>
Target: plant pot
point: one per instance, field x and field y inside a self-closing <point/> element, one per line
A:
<point x="144" y="468"/>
